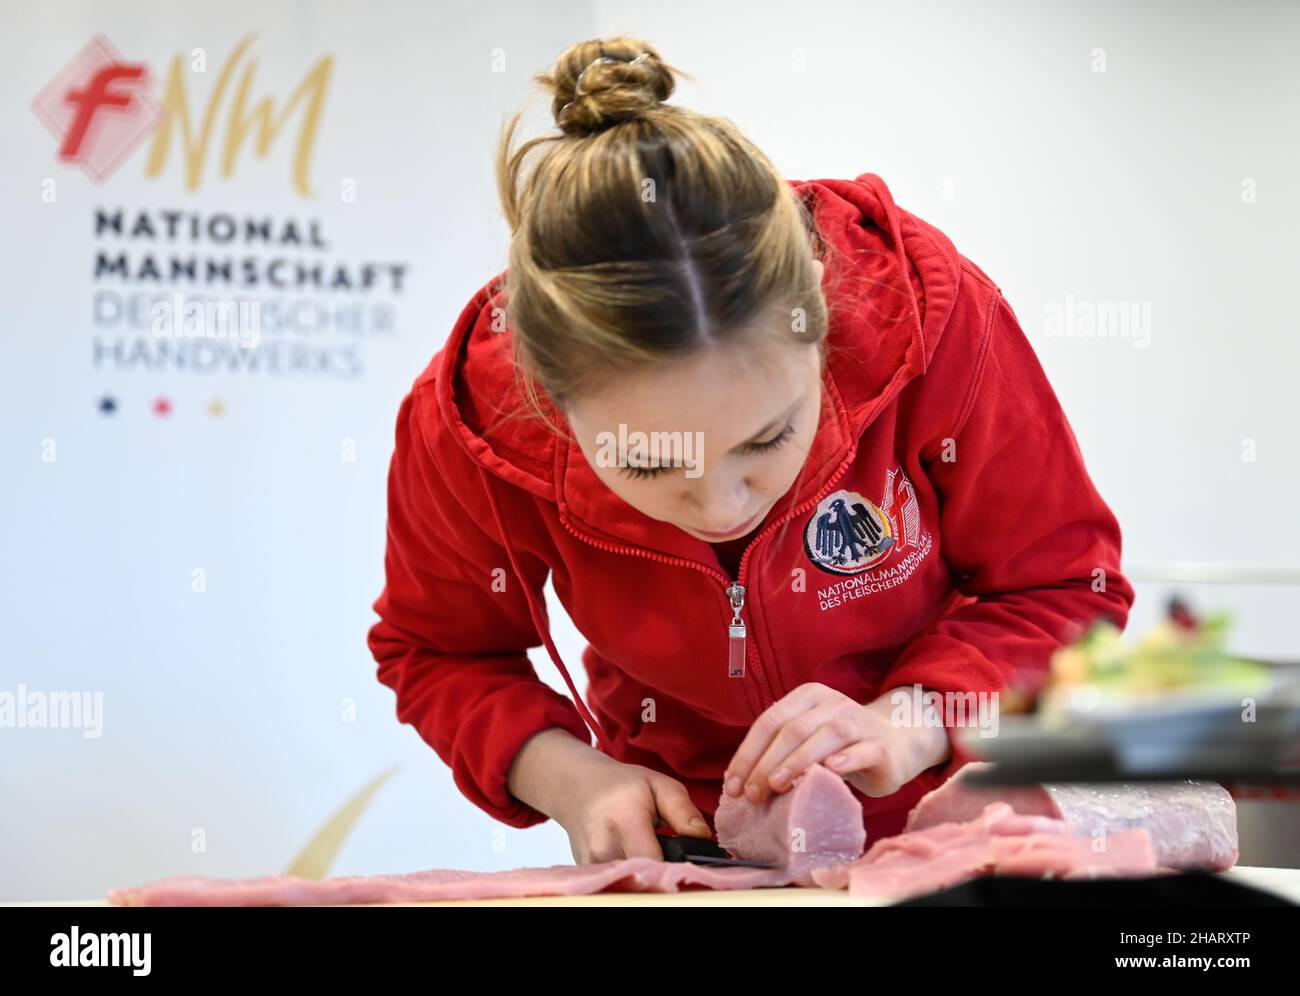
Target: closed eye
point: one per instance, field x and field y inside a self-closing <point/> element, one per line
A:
<point x="641" y="473"/>
<point x="765" y="446"/>
<point x="774" y="442"/>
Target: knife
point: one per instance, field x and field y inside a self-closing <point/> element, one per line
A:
<point x="702" y="852"/>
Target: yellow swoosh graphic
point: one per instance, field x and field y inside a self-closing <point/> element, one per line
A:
<point x="316" y="857"/>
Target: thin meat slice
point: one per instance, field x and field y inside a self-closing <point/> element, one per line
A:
<point x="819" y="815"/>
<point x="815" y="824"/>
<point x="625" y="875"/>
<point x="939" y="841"/>
<point x="1193" y="824"/>
<point x="997" y="842"/>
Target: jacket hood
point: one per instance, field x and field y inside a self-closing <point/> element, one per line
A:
<point x="892" y="282"/>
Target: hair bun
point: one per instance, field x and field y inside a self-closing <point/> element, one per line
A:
<point x="600" y="83"/>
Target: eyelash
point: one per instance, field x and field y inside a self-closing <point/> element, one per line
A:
<point x="772" y="443"/>
<point x="642" y="473"/>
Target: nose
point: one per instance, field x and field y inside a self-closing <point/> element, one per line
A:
<point x="718" y="506"/>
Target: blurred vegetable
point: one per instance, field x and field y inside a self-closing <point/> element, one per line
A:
<point x="1182" y="654"/>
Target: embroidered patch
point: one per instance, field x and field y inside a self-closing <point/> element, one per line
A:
<point x="847" y="533"/>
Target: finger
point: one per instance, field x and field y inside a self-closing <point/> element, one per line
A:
<point x="638" y="839"/>
<point x="793" y="736"/>
<point x="674" y="804"/>
<point x="763" y="731"/>
<point x="836" y="733"/>
<point x="861" y="760"/>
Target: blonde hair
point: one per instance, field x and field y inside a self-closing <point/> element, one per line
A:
<point x="643" y="230"/>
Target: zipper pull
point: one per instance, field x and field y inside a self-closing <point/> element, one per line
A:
<point x="736" y="633"/>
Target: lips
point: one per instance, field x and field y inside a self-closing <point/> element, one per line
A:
<point x="732" y="531"/>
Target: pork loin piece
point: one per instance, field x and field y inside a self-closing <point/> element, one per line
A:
<point x="998" y="841"/>
<point x="625" y="875"/>
<point x="1193" y="824"/>
<point x="816" y="823"/>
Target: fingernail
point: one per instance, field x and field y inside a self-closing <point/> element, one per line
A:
<point x="839" y="760"/>
<point x="751" y="792"/>
<point x="733" y="785"/>
<point x="781" y="777"/>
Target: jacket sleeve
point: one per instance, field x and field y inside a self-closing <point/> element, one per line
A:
<point x="1030" y="541"/>
<point x="454" y="627"/>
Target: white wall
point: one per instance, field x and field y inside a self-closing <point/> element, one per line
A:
<point x="223" y="709"/>
<point x="1065" y="183"/>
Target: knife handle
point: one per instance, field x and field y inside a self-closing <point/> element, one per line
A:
<point x="680" y="848"/>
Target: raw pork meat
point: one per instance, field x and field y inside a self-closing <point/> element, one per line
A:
<point x="814" y="824"/>
<point x="625" y="875"/>
<point x="997" y="842"/>
<point x="819" y="805"/>
<point x="1193" y="824"/>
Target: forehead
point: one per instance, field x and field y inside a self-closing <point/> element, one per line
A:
<point x="732" y="388"/>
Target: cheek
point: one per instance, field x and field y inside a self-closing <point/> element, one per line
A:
<point x="791" y="462"/>
<point x="641" y="495"/>
<point x="784" y="469"/>
<point x="771" y="476"/>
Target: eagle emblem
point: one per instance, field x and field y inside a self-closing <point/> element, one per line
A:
<point x="848" y="533"/>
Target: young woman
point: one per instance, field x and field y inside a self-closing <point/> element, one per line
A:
<point x="785" y="453"/>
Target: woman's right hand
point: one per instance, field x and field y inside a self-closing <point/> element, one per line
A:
<point x="609" y="809"/>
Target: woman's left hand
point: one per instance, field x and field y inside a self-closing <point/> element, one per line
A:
<point x="816" y="723"/>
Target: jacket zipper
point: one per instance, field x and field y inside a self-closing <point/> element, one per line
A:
<point x="734" y="590"/>
<point x="736" y="632"/>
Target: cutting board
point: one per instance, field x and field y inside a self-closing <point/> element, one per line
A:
<point x="1282" y="881"/>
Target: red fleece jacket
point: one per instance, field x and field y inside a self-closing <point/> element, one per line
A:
<point x="945" y="534"/>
